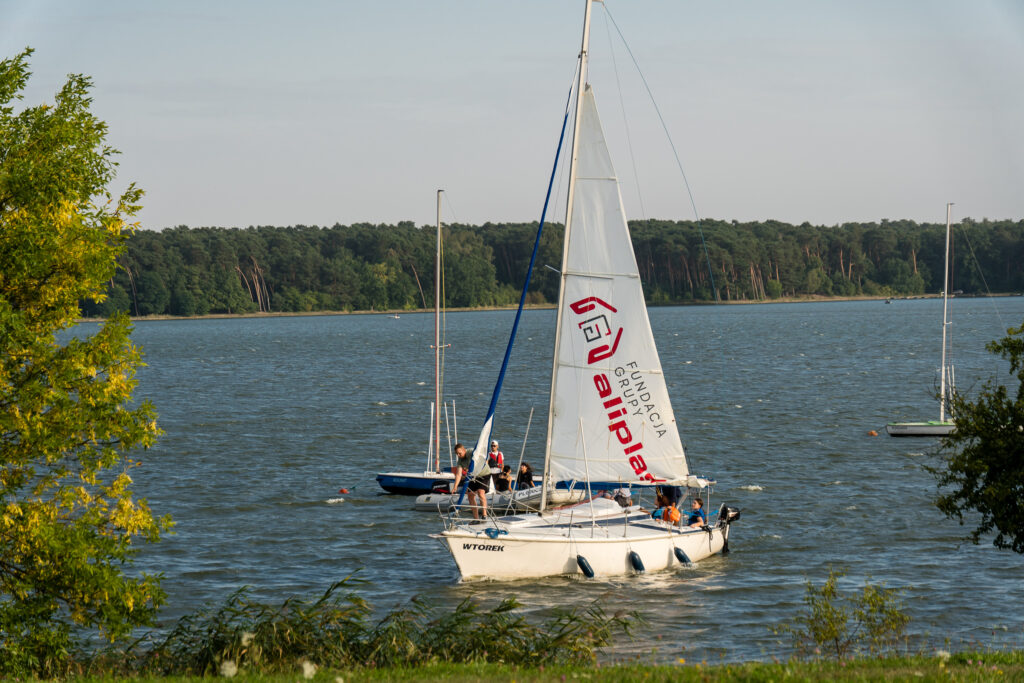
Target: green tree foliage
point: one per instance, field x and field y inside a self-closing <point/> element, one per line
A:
<point x="302" y="268"/>
<point x="838" y="625"/>
<point x="67" y="516"/>
<point x="983" y="463"/>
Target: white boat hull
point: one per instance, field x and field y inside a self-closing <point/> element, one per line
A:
<point x="526" y="499"/>
<point x="606" y="550"/>
<point x="934" y="428"/>
<point x="529" y="546"/>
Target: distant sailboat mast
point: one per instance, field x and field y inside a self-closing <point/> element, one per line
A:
<point x="437" y="342"/>
<point x="946" y="322"/>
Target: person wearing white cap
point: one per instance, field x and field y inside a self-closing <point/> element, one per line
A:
<point x="494" y="457"/>
<point x="623" y="496"/>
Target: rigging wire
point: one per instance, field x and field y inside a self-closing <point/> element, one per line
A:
<point x="981" y="273"/>
<point x="563" y="168"/>
<point x="488" y="422"/>
<point x="622" y="106"/>
<point x="664" y="127"/>
<point x="556" y="190"/>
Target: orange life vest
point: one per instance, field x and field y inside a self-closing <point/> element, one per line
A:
<point x="671" y="515"/>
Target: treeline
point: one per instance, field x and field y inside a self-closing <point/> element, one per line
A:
<point x="196" y="271"/>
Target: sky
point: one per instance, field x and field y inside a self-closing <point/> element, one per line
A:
<point x="235" y="113"/>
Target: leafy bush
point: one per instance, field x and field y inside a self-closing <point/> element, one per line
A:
<point x="981" y="468"/>
<point x="840" y="626"/>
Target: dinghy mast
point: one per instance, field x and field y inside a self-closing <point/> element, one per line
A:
<point x="437" y="342"/>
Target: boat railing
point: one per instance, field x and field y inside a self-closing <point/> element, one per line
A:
<point x="451" y="516"/>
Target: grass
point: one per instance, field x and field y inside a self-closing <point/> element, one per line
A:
<point x="979" y="666"/>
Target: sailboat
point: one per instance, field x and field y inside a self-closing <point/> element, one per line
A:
<point x="610" y="421"/>
<point x="416" y="483"/>
<point x="942" y="426"/>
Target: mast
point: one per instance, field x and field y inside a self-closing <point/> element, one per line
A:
<point x="581" y="79"/>
<point x="945" y="319"/>
<point x="437" y="342"/>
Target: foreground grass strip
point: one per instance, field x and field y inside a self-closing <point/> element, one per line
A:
<point x="985" y="666"/>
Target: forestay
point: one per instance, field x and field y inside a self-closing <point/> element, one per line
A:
<point x="611" y="419"/>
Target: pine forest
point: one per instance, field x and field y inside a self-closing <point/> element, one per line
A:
<point x="199" y="271"/>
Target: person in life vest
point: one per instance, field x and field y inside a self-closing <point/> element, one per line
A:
<point x="667" y="510"/>
<point x="698" y="517"/>
<point x="672" y="515"/>
<point x="496" y="455"/>
<point x="672" y="495"/>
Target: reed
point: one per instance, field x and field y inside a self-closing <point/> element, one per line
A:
<point x="259" y="637"/>
<point x="244" y="637"/>
<point x="469" y="634"/>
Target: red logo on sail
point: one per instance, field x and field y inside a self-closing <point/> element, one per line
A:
<point x="632" y="447"/>
<point x="597" y="328"/>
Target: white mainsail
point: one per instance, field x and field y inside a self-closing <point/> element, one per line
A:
<point x="612" y="420"/>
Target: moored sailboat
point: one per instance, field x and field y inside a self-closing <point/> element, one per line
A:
<point x="943" y="425"/>
<point x="416" y="483"/>
<point x="610" y="420"/>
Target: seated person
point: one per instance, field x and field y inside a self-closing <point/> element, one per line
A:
<point x="672" y="495"/>
<point x="503" y="482"/>
<point x="698" y="517"/>
<point x="666" y="511"/>
<point x="659" y="504"/>
<point x="525" y="478"/>
<point x="624" y="497"/>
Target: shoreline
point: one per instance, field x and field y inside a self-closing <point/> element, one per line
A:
<point x="412" y="311"/>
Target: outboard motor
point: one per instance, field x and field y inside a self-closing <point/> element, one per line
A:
<point x="727" y="515"/>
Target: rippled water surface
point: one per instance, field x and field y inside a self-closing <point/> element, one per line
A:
<point x="266" y="419"/>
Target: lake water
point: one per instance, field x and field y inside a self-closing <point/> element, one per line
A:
<point x="266" y="419"/>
